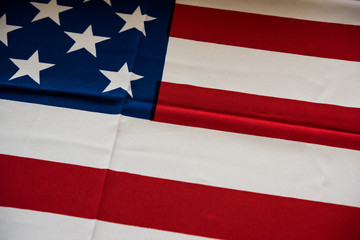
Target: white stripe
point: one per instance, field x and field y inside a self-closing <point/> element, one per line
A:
<point x="18" y="224"/>
<point x="337" y="11"/>
<point x="238" y="161"/>
<point x="215" y="158"/>
<point x="263" y="72"/>
<point x="59" y="134"/>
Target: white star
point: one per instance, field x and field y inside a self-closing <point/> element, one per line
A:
<point x="4" y="29"/>
<point x="120" y="79"/>
<point x="30" y="67"/>
<point x="107" y="1"/>
<point x="135" y="20"/>
<point x="85" y="40"/>
<point x="50" y="10"/>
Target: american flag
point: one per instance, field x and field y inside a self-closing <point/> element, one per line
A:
<point x="179" y="120"/>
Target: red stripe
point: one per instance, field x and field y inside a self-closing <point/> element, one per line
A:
<point x="259" y="115"/>
<point x="169" y="205"/>
<point x="320" y="39"/>
<point x="50" y="187"/>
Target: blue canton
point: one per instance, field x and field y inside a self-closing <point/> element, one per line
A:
<point x="94" y="55"/>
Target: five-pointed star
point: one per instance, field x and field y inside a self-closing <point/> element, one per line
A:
<point x="30" y="67"/>
<point x="4" y="29"/>
<point x="50" y="10"/>
<point x="85" y="40"/>
<point x="120" y="79"/>
<point x="107" y="1"/>
<point x="135" y="20"/>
